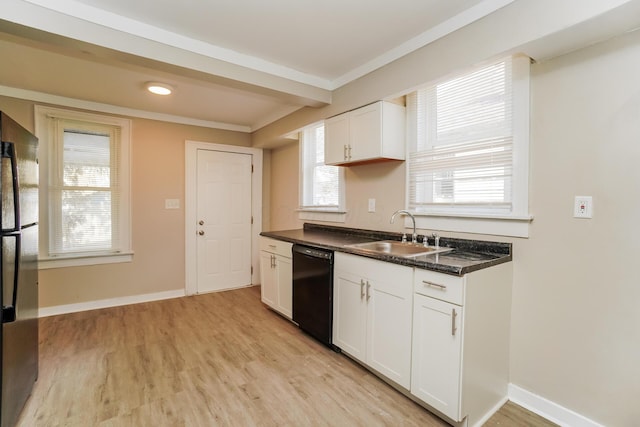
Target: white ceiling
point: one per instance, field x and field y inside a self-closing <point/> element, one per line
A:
<point x="326" y="39"/>
<point x="235" y="64"/>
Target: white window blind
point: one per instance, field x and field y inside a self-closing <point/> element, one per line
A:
<point x="84" y="188"/>
<point x="461" y="144"/>
<point x="321" y="185"/>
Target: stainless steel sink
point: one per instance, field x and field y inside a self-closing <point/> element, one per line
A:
<point x="401" y="249"/>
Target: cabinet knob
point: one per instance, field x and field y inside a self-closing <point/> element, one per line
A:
<point x="201" y="222"/>
<point x="201" y="233"/>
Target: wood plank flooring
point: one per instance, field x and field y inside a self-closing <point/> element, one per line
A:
<point x="207" y="360"/>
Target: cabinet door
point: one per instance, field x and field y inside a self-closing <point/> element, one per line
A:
<point x="349" y="314"/>
<point x="336" y="139"/>
<point x="389" y="325"/>
<point x="365" y="134"/>
<point x="268" y="279"/>
<point x="284" y="273"/>
<point x="437" y="346"/>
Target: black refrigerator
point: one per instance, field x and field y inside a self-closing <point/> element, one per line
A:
<point x="19" y="275"/>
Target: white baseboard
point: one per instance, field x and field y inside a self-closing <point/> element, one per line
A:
<point x="105" y="303"/>
<point x="548" y="409"/>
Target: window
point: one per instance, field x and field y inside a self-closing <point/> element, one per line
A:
<point x="84" y="188"/>
<point x="468" y="148"/>
<point x="321" y="186"/>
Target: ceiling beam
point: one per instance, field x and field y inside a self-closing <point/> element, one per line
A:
<point x="40" y="23"/>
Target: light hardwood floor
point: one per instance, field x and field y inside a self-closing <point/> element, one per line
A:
<point x="215" y="359"/>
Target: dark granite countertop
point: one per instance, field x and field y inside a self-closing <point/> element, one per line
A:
<point x="467" y="256"/>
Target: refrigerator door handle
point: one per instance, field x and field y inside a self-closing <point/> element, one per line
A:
<point x="9" y="151"/>
<point x="9" y="311"/>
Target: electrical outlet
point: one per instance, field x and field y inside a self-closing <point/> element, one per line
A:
<point x="372" y="205"/>
<point x="583" y="207"/>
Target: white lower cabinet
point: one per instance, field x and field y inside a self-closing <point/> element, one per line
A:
<point x="437" y="346"/>
<point x="460" y="355"/>
<point x="276" y="275"/>
<point x="372" y="314"/>
<point x="443" y="338"/>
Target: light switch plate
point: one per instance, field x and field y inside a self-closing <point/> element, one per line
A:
<point x="583" y="207"/>
<point x="172" y="203"/>
<point x="372" y="205"/>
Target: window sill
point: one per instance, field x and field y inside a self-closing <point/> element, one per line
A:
<point x="322" y="215"/>
<point x="82" y="260"/>
<point x="492" y="225"/>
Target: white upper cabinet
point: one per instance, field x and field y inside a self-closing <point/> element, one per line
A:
<point x="371" y="133"/>
<point x="336" y="139"/>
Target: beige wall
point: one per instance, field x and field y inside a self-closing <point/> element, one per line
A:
<point x="575" y="322"/>
<point x="576" y="326"/>
<point x="284" y="188"/>
<point x="383" y="182"/>
<point x="157" y="152"/>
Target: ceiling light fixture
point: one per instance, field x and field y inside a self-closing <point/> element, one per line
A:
<point x="159" y="88"/>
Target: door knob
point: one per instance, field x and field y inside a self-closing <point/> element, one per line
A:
<point x="201" y="233"/>
<point x="201" y="222"/>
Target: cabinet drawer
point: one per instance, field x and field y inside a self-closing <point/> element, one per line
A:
<point x="277" y="247"/>
<point x="438" y="285"/>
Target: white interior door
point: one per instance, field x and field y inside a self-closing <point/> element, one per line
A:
<point x="223" y="215"/>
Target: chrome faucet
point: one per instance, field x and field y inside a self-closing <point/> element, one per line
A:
<point x="414" y="236"/>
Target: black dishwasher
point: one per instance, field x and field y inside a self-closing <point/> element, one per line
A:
<point x="313" y="291"/>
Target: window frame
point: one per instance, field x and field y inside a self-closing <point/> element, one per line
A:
<point x="310" y="212"/>
<point x="48" y="154"/>
<point x="515" y="224"/>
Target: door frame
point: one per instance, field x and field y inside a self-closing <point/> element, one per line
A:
<point x="191" y="174"/>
